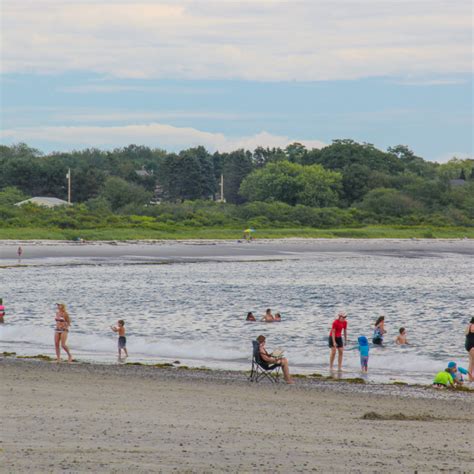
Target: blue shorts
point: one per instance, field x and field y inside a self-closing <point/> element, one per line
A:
<point x="122" y="342"/>
<point x="364" y="362"/>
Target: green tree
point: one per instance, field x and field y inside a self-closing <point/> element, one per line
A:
<point x="120" y="193"/>
<point x="293" y="184"/>
<point x="11" y="195"/>
<point x="237" y="165"/>
<point x="389" y="202"/>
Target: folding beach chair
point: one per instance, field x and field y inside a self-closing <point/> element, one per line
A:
<point x="260" y="369"/>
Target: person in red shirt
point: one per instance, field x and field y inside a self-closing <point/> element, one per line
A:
<point x="335" y="340"/>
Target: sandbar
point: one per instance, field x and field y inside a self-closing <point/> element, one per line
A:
<point x="165" y="251"/>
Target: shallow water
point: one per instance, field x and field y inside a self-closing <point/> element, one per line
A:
<point x="194" y="312"/>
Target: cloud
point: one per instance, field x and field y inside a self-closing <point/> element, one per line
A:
<point x="155" y="135"/>
<point x="251" y="40"/>
<point x="462" y="155"/>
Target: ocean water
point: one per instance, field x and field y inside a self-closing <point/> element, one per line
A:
<point x="194" y="311"/>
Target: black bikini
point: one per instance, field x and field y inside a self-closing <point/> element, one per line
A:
<point x="470" y="339"/>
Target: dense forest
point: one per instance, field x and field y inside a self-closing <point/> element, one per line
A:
<point x="343" y="184"/>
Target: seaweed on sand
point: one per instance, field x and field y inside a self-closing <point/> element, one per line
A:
<point x="372" y="415"/>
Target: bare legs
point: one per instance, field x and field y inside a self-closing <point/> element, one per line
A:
<point x="286" y="370"/>
<point x="124" y="349"/>
<point x="340" y="355"/>
<point x="60" y="339"/>
<point x="57" y="341"/>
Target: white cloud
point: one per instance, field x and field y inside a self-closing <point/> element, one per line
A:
<point x="127" y="116"/>
<point x="255" y="40"/>
<point x="153" y="134"/>
<point x="445" y="157"/>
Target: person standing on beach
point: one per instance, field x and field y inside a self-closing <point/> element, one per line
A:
<point x="336" y="342"/>
<point x="2" y="311"/>
<point x="19" y="252"/>
<point x="63" y="322"/>
<point x="122" y="340"/>
<point x="470" y="349"/>
<point x="364" y="353"/>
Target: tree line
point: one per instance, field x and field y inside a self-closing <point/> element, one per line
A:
<point x="355" y="178"/>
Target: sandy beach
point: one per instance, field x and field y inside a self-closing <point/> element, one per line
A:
<point x="166" y="251"/>
<point x="96" y="418"/>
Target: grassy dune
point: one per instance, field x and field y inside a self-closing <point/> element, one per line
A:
<point x="175" y="233"/>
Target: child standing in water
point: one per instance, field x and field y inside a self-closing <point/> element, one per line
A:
<point x="364" y="353"/>
<point x="401" y="339"/>
<point x="122" y="340"/>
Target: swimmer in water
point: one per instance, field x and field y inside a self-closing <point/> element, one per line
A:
<point x="401" y="339"/>
<point x="268" y="318"/>
<point x="379" y="331"/>
<point x="250" y="317"/>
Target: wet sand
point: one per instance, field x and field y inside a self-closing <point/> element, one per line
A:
<point x="95" y="418"/>
<point x="218" y="249"/>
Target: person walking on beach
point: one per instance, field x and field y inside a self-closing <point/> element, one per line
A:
<point x="335" y="340"/>
<point x="470" y="349"/>
<point x="19" y="252"/>
<point x="379" y="331"/>
<point x="63" y="322"/>
<point x="122" y="340"/>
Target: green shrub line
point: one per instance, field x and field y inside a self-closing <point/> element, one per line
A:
<point x="219" y="233"/>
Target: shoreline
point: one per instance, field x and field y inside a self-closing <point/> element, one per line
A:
<point x="79" y="417"/>
<point x="313" y="381"/>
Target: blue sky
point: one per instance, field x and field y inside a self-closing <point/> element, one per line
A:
<point x="89" y="73"/>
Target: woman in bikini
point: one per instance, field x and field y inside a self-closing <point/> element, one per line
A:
<point x="470" y="348"/>
<point x="63" y="321"/>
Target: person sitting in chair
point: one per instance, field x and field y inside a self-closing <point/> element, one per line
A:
<point x="268" y="359"/>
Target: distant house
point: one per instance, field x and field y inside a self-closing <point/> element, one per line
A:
<point x="44" y="201"/>
<point x="143" y="173"/>
<point x="457" y="182"/>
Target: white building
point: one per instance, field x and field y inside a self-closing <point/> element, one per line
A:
<point x="44" y="201"/>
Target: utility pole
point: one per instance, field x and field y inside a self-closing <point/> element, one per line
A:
<point x="68" y="176"/>
<point x="222" y="188"/>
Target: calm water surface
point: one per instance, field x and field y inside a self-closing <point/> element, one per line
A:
<point x="195" y="312"/>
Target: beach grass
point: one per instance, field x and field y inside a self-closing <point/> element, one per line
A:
<point x="222" y="233"/>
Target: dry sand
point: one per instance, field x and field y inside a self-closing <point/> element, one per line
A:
<point x="60" y="418"/>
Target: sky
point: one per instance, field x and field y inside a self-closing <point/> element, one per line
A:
<point x="228" y="74"/>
